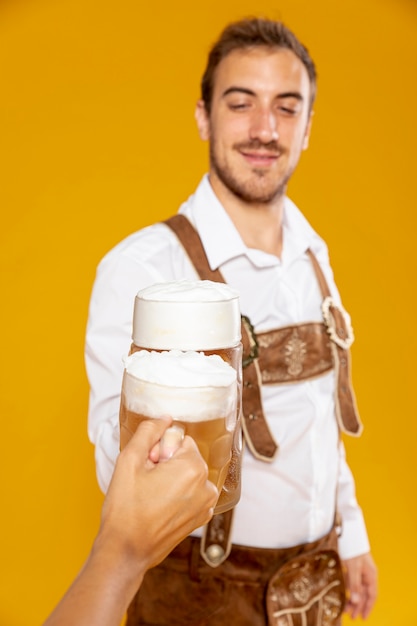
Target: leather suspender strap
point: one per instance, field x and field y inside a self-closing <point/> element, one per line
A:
<point x="216" y="542"/>
<point x="191" y="243"/>
<point x="255" y="427"/>
<point x="257" y="434"/>
<point x="341" y="335"/>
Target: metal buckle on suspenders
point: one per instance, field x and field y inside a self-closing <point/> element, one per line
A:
<point x="343" y="337"/>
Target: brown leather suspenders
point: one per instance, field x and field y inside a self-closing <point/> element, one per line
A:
<point x="283" y="355"/>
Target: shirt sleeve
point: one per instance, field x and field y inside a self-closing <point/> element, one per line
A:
<point x="354" y="538"/>
<point x="120" y="275"/>
<point x="147" y="257"/>
<point x="108" y="339"/>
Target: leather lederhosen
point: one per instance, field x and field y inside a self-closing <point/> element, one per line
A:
<point x="284" y="355"/>
<point x="185" y="591"/>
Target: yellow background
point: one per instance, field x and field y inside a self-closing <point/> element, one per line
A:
<point x="97" y="138"/>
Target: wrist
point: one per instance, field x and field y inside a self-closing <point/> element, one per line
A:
<point x="111" y="555"/>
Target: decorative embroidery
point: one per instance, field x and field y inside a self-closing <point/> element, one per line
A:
<point x="295" y="351"/>
<point x="265" y="340"/>
<point x="329" y="608"/>
<point x="301" y="589"/>
<point x="307" y="591"/>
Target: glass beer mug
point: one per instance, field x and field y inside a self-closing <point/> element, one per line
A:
<point x="191" y="330"/>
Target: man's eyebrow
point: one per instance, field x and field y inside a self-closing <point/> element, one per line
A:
<point x="287" y="94"/>
<point x="249" y="92"/>
<point x="291" y="94"/>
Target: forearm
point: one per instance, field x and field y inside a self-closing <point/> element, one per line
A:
<point x="151" y="505"/>
<point x="101" y="592"/>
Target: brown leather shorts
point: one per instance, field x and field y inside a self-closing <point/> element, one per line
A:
<point x="184" y="590"/>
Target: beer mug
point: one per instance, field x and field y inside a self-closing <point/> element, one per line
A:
<point x="199" y="392"/>
<point x="202" y="317"/>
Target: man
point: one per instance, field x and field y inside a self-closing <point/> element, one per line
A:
<point x="256" y="110"/>
<point x="150" y="506"/>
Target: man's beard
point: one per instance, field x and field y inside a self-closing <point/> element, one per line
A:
<point x="250" y="191"/>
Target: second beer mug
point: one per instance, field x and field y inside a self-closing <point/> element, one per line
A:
<point x="200" y="316"/>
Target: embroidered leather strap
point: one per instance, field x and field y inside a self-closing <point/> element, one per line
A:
<point x="294" y="353"/>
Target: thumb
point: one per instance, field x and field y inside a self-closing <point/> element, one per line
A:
<point x="354" y="587"/>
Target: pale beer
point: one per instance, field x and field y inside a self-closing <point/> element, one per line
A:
<point x="199" y="392"/>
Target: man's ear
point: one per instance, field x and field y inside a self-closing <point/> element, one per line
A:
<point x="308" y="131"/>
<point x="202" y="119"/>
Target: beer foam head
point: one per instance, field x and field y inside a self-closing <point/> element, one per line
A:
<point x="187" y="315"/>
<point x="186" y="385"/>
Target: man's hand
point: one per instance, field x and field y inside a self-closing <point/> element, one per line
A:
<point x="361" y="583"/>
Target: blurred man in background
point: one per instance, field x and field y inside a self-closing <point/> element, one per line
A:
<point x="276" y="555"/>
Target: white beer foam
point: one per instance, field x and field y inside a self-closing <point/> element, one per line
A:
<point x="187" y="315"/>
<point x="189" y="386"/>
<point x="189" y="291"/>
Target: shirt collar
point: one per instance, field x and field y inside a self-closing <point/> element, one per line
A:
<point x="298" y="234"/>
<point x="222" y="242"/>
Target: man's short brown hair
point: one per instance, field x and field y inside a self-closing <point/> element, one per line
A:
<point x="251" y="33"/>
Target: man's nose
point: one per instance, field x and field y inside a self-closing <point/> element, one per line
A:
<point x="264" y="126"/>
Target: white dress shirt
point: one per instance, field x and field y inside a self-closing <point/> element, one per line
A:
<point x="292" y="499"/>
